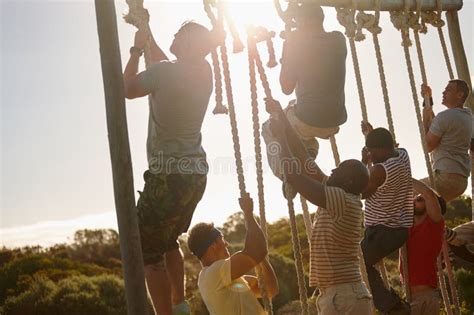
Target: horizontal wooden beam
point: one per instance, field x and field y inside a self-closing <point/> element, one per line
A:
<point x="391" y="5"/>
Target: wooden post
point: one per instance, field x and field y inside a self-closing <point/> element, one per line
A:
<point x="458" y="51"/>
<point x="130" y="248"/>
<point x="462" y="69"/>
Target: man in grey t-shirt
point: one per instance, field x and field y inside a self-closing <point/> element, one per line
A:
<point x="448" y="137"/>
<point x="176" y="177"/>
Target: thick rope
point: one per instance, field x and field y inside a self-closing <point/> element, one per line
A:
<point x="230" y="102"/>
<point x="258" y="162"/>
<point x="452" y="285"/>
<point x="371" y="23"/>
<point x="298" y="258"/>
<point x="443" y="41"/>
<point x="400" y="22"/>
<point x="417" y="28"/>
<point x="308" y="224"/>
<point x="346" y="18"/>
<point x="220" y="108"/>
<point x="294" y="231"/>
<point x="335" y="150"/>
<point x="442" y="285"/>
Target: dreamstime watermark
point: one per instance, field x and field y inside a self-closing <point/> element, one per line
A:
<point x="226" y="165"/>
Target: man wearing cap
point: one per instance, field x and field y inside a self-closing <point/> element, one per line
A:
<point x="388" y="211"/>
<point x="223" y="283"/>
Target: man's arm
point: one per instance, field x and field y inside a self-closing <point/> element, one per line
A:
<point x="287" y="72"/>
<point x="432" y="141"/>
<point x="433" y="209"/>
<point x="131" y="81"/>
<point x="156" y="53"/>
<point x="376" y="179"/>
<point x="255" y="249"/>
<point x="269" y="277"/>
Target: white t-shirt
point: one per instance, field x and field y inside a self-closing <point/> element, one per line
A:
<point x="224" y="296"/>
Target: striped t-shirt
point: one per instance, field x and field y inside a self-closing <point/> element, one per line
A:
<point x="392" y="204"/>
<point x="335" y="240"/>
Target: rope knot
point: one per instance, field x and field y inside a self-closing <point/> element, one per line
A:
<point x="346" y="18"/>
<point x="400" y="21"/>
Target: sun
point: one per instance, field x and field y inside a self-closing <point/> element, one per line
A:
<point x="256" y="13"/>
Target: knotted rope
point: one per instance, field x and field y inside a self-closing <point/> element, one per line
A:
<point x="230" y="102"/>
<point x="258" y="157"/>
<point x="401" y="22"/>
<point x="294" y="231"/>
<point x="371" y="23"/>
<point x="288" y="16"/>
<point x="436" y="20"/>
<point x="346" y="17"/>
<point x="220" y="108"/>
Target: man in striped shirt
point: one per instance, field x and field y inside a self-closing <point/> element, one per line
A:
<point x="388" y="211"/>
<point x="334" y="261"/>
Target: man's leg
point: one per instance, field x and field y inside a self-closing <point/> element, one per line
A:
<point x="380" y="241"/>
<point x="159" y="288"/>
<point x="175" y="270"/>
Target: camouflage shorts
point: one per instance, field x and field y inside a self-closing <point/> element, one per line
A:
<point x="165" y="210"/>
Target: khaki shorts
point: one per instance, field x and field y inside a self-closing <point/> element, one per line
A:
<point x="425" y="303"/>
<point x="307" y="134"/>
<point x="165" y="210"/>
<point x="350" y="298"/>
<point x="448" y="185"/>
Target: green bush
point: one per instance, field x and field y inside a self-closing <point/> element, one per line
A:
<point x="76" y="295"/>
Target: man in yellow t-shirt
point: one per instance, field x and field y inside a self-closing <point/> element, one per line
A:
<point x="222" y="282"/>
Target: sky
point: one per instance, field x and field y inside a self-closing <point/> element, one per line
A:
<point x="55" y="163"/>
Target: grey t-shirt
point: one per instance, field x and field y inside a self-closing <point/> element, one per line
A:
<point x="318" y="62"/>
<point x="454" y="127"/>
<point x="180" y="92"/>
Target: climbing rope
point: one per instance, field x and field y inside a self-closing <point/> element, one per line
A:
<point x="230" y="104"/>
<point x="371" y="23"/>
<point x="346" y="17"/>
<point x="308" y="223"/>
<point x="400" y="21"/>
<point x="298" y="258"/>
<point x="220" y="108"/>
<point x="258" y="157"/>
<point x="253" y="54"/>
<point x="420" y="27"/>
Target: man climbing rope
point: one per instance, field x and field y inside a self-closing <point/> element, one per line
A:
<point x="388" y="210"/>
<point x="424" y="245"/>
<point x="313" y="65"/>
<point x="448" y="136"/>
<point x="176" y="178"/>
<point x="334" y="260"/>
<point x="223" y="283"/>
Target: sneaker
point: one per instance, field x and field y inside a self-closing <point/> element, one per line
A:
<point x="182" y="309"/>
<point x="401" y="308"/>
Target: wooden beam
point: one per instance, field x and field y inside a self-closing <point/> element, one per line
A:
<point x="459" y="54"/>
<point x="391" y="5"/>
<point x="130" y="248"/>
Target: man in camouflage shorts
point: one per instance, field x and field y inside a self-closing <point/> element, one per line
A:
<point x="176" y="177"/>
<point x="166" y="207"/>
